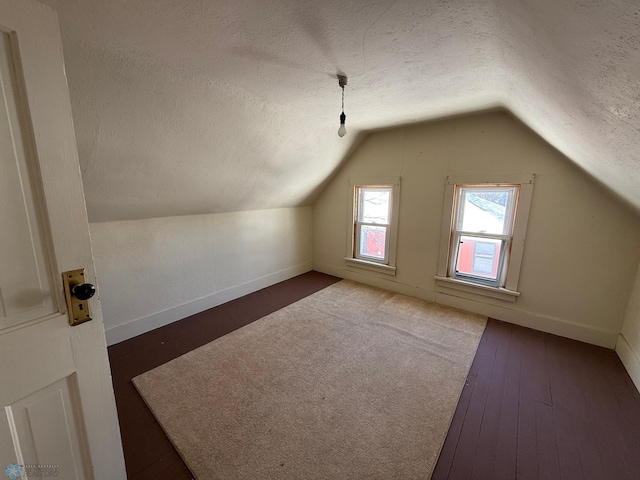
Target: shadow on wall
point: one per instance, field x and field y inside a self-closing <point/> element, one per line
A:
<point x="580" y="252"/>
<point x="361" y="136"/>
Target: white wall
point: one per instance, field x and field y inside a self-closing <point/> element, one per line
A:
<point x="628" y="346"/>
<point x="155" y="271"/>
<point x="581" y="248"/>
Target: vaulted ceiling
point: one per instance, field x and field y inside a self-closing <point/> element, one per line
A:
<point x="206" y="106"/>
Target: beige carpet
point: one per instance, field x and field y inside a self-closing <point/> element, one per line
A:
<point x="352" y="382"/>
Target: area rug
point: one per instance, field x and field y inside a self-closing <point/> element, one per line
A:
<point x="351" y="382"/>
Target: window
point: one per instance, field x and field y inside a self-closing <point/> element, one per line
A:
<point x="373" y="224"/>
<point x="373" y="218"/>
<point x="483" y="236"/>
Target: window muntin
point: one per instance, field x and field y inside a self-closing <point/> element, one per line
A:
<point x="482" y="230"/>
<point x="372" y="223"/>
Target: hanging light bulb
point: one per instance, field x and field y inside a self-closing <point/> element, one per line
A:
<point x="342" y="131"/>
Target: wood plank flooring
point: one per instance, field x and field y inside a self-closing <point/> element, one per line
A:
<point x="535" y="406"/>
<point x="538" y="406"/>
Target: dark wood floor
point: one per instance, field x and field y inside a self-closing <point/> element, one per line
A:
<point x="538" y="406"/>
<point x="534" y="405"/>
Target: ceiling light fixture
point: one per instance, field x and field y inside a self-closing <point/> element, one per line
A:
<point x="342" y="131"/>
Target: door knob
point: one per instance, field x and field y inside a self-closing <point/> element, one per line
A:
<point x="77" y="294"/>
<point x="84" y="291"/>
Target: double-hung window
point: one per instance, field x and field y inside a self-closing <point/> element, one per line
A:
<point x="483" y="233"/>
<point x="373" y="224"/>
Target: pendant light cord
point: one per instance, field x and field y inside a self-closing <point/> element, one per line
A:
<point x="342" y="131"/>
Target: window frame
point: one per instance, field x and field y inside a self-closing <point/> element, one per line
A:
<point x="386" y="266"/>
<point x="506" y="285"/>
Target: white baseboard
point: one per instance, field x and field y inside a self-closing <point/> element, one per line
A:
<point x="536" y="321"/>
<point x="133" y="328"/>
<point x="630" y="359"/>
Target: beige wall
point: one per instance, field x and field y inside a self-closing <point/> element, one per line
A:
<point x="581" y="248"/>
<point x="156" y="271"/>
<point x="628" y="346"/>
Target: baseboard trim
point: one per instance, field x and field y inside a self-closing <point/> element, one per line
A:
<point x="629" y="359"/>
<point x="536" y="321"/>
<point x="133" y="328"/>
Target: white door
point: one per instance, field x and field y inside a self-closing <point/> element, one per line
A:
<point x="59" y="417"/>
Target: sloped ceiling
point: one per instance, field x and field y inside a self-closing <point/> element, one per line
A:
<point x="207" y="106"/>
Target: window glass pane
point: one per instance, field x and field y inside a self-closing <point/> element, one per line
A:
<point x="478" y="257"/>
<point x="374" y="205"/>
<point x="484" y="211"/>
<point x="373" y="241"/>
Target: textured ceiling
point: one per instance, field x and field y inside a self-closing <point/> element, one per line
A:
<point x="205" y="106"/>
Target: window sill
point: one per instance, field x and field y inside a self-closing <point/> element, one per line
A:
<point x="444" y="284"/>
<point x="373" y="266"/>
